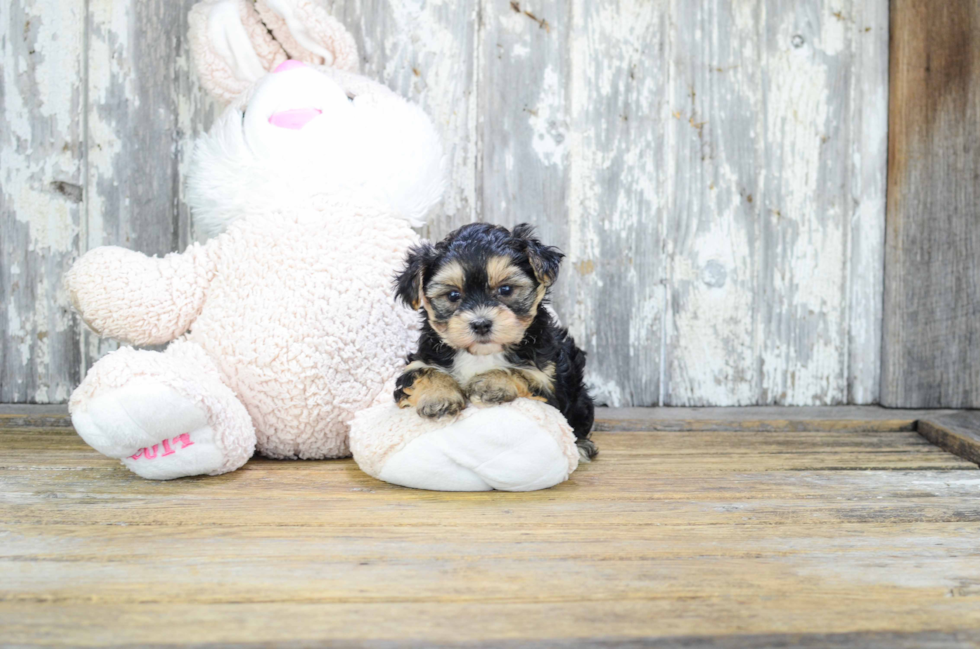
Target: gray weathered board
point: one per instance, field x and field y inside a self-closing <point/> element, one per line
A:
<point x="714" y="170"/>
<point x="931" y="341"/>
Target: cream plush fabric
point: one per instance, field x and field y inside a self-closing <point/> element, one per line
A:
<point x="283" y="323"/>
<point x="520" y="446"/>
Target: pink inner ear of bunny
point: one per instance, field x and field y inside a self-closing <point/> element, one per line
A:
<point x="289" y="64"/>
<point x="294" y="119"/>
<point x="216" y="72"/>
<point x="321" y="30"/>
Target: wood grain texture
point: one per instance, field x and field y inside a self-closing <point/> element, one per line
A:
<point x="524" y="110"/>
<point x="770" y="418"/>
<point x="958" y="433"/>
<point x="800" y="549"/>
<point x="41" y="195"/>
<point x="776" y="418"/>
<point x="714" y="173"/>
<point x="144" y="110"/>
<point x="768" y="127"/>
<point x="866" y="188"/>
<point x="426" y="52"/>
<point x="613" y="292"/>
<point x="932" y="294"/>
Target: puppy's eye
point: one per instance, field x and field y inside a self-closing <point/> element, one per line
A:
<point x="505" y="290"/>
<point x="453" y="296"/>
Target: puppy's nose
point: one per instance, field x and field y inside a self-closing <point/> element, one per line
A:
<point x="481" y="326"/>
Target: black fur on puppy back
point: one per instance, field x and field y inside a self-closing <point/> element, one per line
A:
<point x="545" y="343"/>
<point x="579" y="409"/>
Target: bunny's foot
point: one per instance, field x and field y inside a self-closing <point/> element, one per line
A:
<point x="165" y="415"/>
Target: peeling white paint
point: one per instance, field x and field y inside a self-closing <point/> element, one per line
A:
<point x="869" y="118"/>
<point x="57" y="44"/>
<point x="769" y="208"/>
<point x="836" y="20"/>
<point x="195" y="112"/>
<point x="110" y="80"/>
<point x="547" y="120"/>
<point x="425" y="44"/>
<point x="809" y="244"/>
<point x="40" y="193"/>
<point x="612" y="288"/>
<point x="29" y="167"/>
<point x="605" y="391"/>
<point x="684" y="155"/>
<point x="50" y="216"/>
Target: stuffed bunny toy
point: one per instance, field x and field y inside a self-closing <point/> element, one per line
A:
<point x="282" y="327"/>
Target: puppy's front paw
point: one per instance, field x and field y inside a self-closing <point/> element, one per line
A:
<point x="435" y="406"/>
<point x="433" y="394"/>
<point x="498" y="386"/>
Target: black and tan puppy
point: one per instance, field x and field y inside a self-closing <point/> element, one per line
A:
<point x="485" y="337"/>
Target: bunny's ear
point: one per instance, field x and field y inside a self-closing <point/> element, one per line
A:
<point x="309" y="33"/>
<point x="231" y="46"/>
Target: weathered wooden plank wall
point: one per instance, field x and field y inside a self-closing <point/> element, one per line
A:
<point x="714" y="170"/>
<point x="42" y="166"/>
<point x="931" y="340"/>
<point x="774" y="203"/>
<point x="99" y="107"/>
<point x="144" y="108"/>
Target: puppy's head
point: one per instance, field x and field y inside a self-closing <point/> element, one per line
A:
<point x="481" y="286"/>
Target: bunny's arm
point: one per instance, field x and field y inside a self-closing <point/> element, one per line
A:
<point x="141" y="300"/>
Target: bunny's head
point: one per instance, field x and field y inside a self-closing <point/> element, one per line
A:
<point x="300" y="122"/>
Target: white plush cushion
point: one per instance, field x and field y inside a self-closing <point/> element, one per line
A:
<point x="522" y="446"/>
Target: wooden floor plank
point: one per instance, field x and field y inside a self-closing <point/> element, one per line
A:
<point x="791" y="535"/>
<point x="958" y="433"/>
<point x="762" y="418"/>
<point x="323" y="569"/>
<point x="744" y="418"/>
<point x="429" y="624"/>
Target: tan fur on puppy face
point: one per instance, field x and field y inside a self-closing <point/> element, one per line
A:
<point x="507" y="330"/>
<point x="450" y="276"/>
<point x="501" y="270"/>
<point x="540" y="292"/>
<point x="437" y="324"/>
<point x="452" y="322"/>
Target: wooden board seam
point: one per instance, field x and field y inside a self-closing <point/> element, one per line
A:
<point x="961" y="438"/>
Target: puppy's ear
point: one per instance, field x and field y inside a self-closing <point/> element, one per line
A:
<point x="545" y="260"/>
<point x="408" y="283"/>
